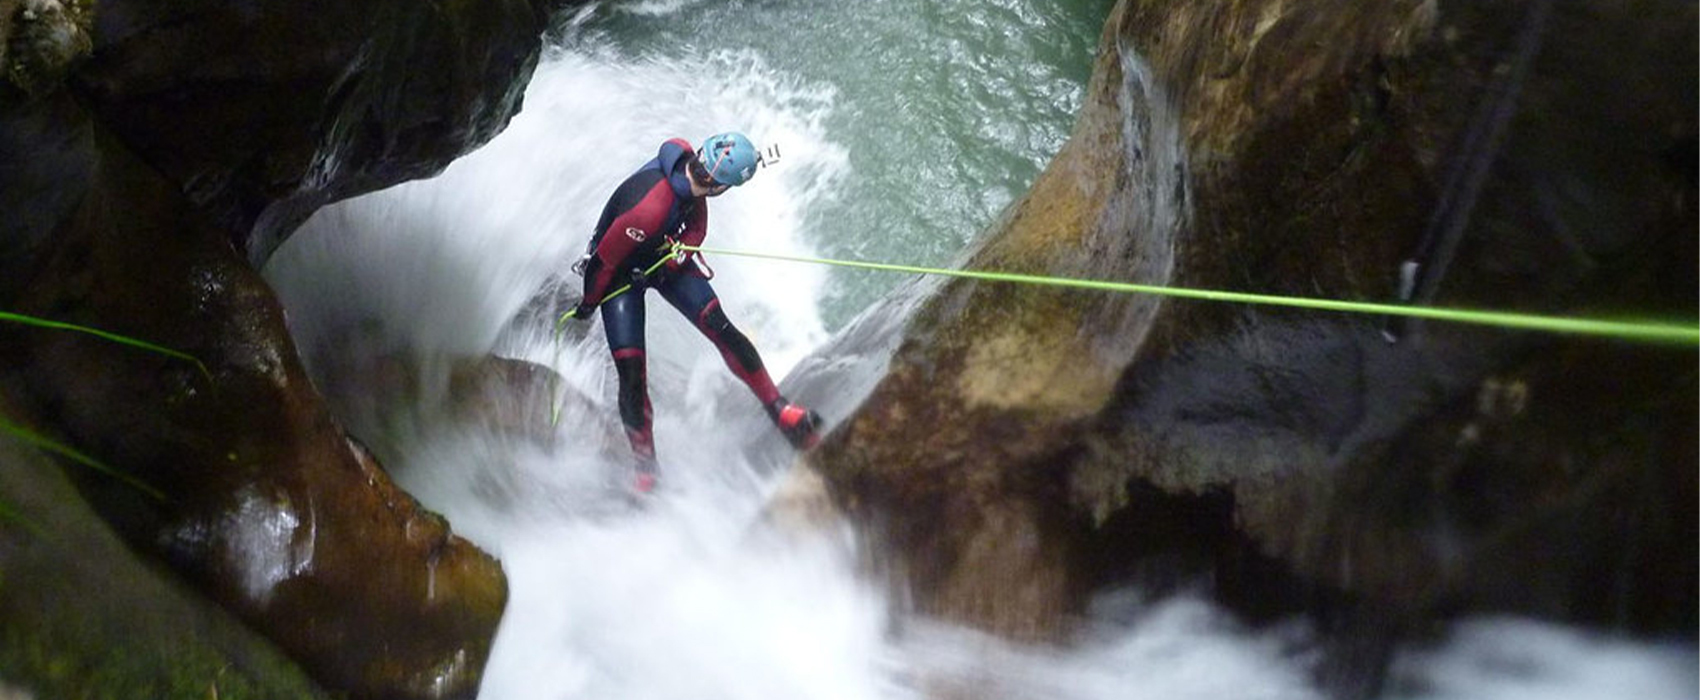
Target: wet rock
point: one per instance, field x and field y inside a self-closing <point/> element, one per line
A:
<point x="1028" y="447"/>
<point x="952" y="458"/>
<point x="45" y="149"/>
<point x="47" y="157"/>
<point x="265" y="505"/>
<point x="390" y="398"/>
<point x="40" y="40"/>
<point x="1496" y="146"/>
<point x="264" y="111"/>
<point x="802" y="507"/>
<point x="139" y="190"/>
<point x="81" y="616"/>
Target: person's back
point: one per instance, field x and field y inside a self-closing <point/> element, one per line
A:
<point x="652" y="206"/>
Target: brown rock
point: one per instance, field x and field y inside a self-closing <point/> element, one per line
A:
<point x="84" y="617"/>
<point x="265" y="111"/>
<point x="198" y="136"/>
<point x="267" y="506"/>
<point x="40" y="40"/>
<point x="1029" y="446"/>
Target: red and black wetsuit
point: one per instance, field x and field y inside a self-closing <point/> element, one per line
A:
<point x="652" y="205"/>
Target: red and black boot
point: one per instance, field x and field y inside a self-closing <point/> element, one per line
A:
<point x="635" y="413"/>
<point x="645" y="471"/>
<point x="799" y="425"/>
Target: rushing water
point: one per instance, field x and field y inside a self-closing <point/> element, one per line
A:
<point x="903" y="127"/>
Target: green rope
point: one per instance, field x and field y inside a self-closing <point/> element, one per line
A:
<point x="673" y="249"/>
<point x="114" y="337"/>
<point x="7" y="514"/>
<point x="29" y="437"/>
<point x="1651" y="332"/>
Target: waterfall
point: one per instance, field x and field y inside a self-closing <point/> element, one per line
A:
<point x="696" y="596"/>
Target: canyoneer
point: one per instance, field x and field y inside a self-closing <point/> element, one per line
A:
<point x="636" y="248"/>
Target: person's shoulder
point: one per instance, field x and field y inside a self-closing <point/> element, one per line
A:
<point x="673" y="149"/>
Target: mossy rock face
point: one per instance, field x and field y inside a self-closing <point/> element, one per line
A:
<point x="142" y="191"/>
<point x="41" y="40"/>
<point x="1028" y="446"/>
<point x="953" y="458"/>
<point x="81" y="616"/>
<point x="268" y="507"/>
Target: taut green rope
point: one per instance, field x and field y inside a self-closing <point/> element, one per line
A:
<point x="1651" y="332"/>
<point x="105" y="335"/>
<point x="36" y="440"/>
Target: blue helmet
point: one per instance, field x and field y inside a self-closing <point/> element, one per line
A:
<point x="729" y="158"/>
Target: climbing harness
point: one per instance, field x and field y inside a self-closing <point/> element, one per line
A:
<point x="675" y="251"/>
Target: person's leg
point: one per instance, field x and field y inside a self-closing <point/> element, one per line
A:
<point x="695" y="298"/>
<point x="622" y="319"/>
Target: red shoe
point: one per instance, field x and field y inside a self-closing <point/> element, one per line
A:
<point x="645" y="468"/>
<point x="800" y="425"/>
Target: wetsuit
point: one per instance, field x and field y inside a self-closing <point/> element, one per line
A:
<point x="654" y="205"/>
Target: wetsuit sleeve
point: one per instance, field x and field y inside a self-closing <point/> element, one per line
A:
<point x="624" y="234"/>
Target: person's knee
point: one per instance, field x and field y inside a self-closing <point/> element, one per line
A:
<point x="714" y="321"/>
<point x="622" y="321"/>
<point x="629" y="367"/>
<point x="732" y="342"/>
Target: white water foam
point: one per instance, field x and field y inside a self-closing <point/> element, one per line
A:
<point x="1517" y="659"/>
